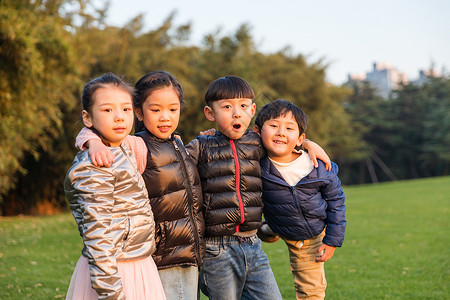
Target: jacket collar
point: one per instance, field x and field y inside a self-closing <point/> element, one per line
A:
<point x="270" y="172"/>
<point x="221" y="135"/>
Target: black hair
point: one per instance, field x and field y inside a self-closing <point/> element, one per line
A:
<point x="87" y="96"/>
<point x="228" y="87"/>
<point x="279" y="108"/>
<point x="149" y="83"/>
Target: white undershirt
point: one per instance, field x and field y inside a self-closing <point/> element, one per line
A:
<point x="295" y="170"/>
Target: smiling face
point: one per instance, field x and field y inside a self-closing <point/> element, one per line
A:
<point x="111" y="114"/>
<point x="161" y="112"/>
<point x="231" y="115"/>
<point x="280" y="136"/>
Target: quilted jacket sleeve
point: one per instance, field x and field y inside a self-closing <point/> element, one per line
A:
<point x="333" y="194"/>
<point x="94" y="189"/>
<point x="193" y="149"/>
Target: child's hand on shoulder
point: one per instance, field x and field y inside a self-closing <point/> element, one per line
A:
<point x="328" y="252"/>
<point x="100" y="155"/>
<point x="316" y="152"/>
<point x="211" y="131"/>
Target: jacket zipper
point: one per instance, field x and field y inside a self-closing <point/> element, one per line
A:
<point x="190" y="198"/>
<point x="292" y="188"/>
<point x="128" y="219"/>
<point x="238" y="183"/>
<point x="126" y="155"/>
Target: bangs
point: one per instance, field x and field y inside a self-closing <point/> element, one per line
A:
<point x="230" y="87"/>
<point x="280" y="108"/>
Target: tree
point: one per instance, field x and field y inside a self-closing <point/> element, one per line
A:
<point x="435" y="154"/>
<point x="368" y="118"/>
<point x="405" y="137"/>
<point x="420" y="135"/>
<point x="36" y="69"/>
<point x="50" y="48"/>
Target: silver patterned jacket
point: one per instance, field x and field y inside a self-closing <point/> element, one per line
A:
<point x="113" y="214"/>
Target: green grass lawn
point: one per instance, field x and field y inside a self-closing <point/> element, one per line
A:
<point x="397" y="246"/>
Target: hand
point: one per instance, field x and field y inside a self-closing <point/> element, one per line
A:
<point x="100" y="155"/>
<point x="211" y="131"/>
<point x="328" y="252"/>
<point x="316" y="152"/>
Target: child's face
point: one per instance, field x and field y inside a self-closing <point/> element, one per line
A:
<point x="161" y="112"/>
<point x="280" y="136"/>
<point x="231" y="115"/>
<point x="112" y="114"/>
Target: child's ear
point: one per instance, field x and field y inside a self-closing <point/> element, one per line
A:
<point x="139" y="114"/>
<point x="253" y="109"/>
<point x="86" y="119"/>
<point x="256" y="129"/>
<point x="300" y="140"/>
<point x="209" y="113"/>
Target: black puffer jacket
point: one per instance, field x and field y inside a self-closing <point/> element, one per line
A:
<point x="174" y="189"/>
<point x="232" y="198"/>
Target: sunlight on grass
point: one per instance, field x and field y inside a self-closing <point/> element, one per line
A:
<point x="396" y="244"/>
<point x="38" y="255"/>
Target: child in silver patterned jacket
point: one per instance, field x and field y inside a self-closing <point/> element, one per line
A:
<point x="110" y="205"/>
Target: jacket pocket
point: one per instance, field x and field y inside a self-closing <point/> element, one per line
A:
<point x="126" y="232"/>
<point x="120" y="229"/>
<point x="140" y="232"/>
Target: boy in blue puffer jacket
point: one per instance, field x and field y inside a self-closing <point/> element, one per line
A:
<point x="302" y="204"/>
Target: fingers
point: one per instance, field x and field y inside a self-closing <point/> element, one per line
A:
<point x="324" y="257"/>
<point x="102" y="159"/>
<point x="321" y="248"/>
<point x="328" y="252"/>
<point x="326" y="159"/>
<point x="94" y="161"/>
<point x="314" y="161"/>
<point x="211" y="131"/>
<point x="109" y="159"/>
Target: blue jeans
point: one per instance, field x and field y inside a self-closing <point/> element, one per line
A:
<point x="180" y="282"/>
<point x="237" y="268"/>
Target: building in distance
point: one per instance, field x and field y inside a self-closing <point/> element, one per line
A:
<point x="384" y="78"/>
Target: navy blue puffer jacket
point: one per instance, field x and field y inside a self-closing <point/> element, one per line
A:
<point x="302" y="211"/>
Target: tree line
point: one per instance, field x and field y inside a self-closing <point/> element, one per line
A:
<point x="50" y="48"/>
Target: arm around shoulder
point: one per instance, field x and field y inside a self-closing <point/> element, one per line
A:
<point x="139" y="149"/>
<point x="83" y="136"/>
<point x="316" y="152"/>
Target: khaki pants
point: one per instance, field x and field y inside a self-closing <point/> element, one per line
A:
<point x="309" y="275"/>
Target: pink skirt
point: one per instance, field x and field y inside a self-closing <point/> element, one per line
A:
<point x="140" y="281"/>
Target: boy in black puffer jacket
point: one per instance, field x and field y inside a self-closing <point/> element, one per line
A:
<point x="303" y="205"/>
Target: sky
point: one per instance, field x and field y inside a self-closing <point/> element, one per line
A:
<point x="347" y="35"/>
